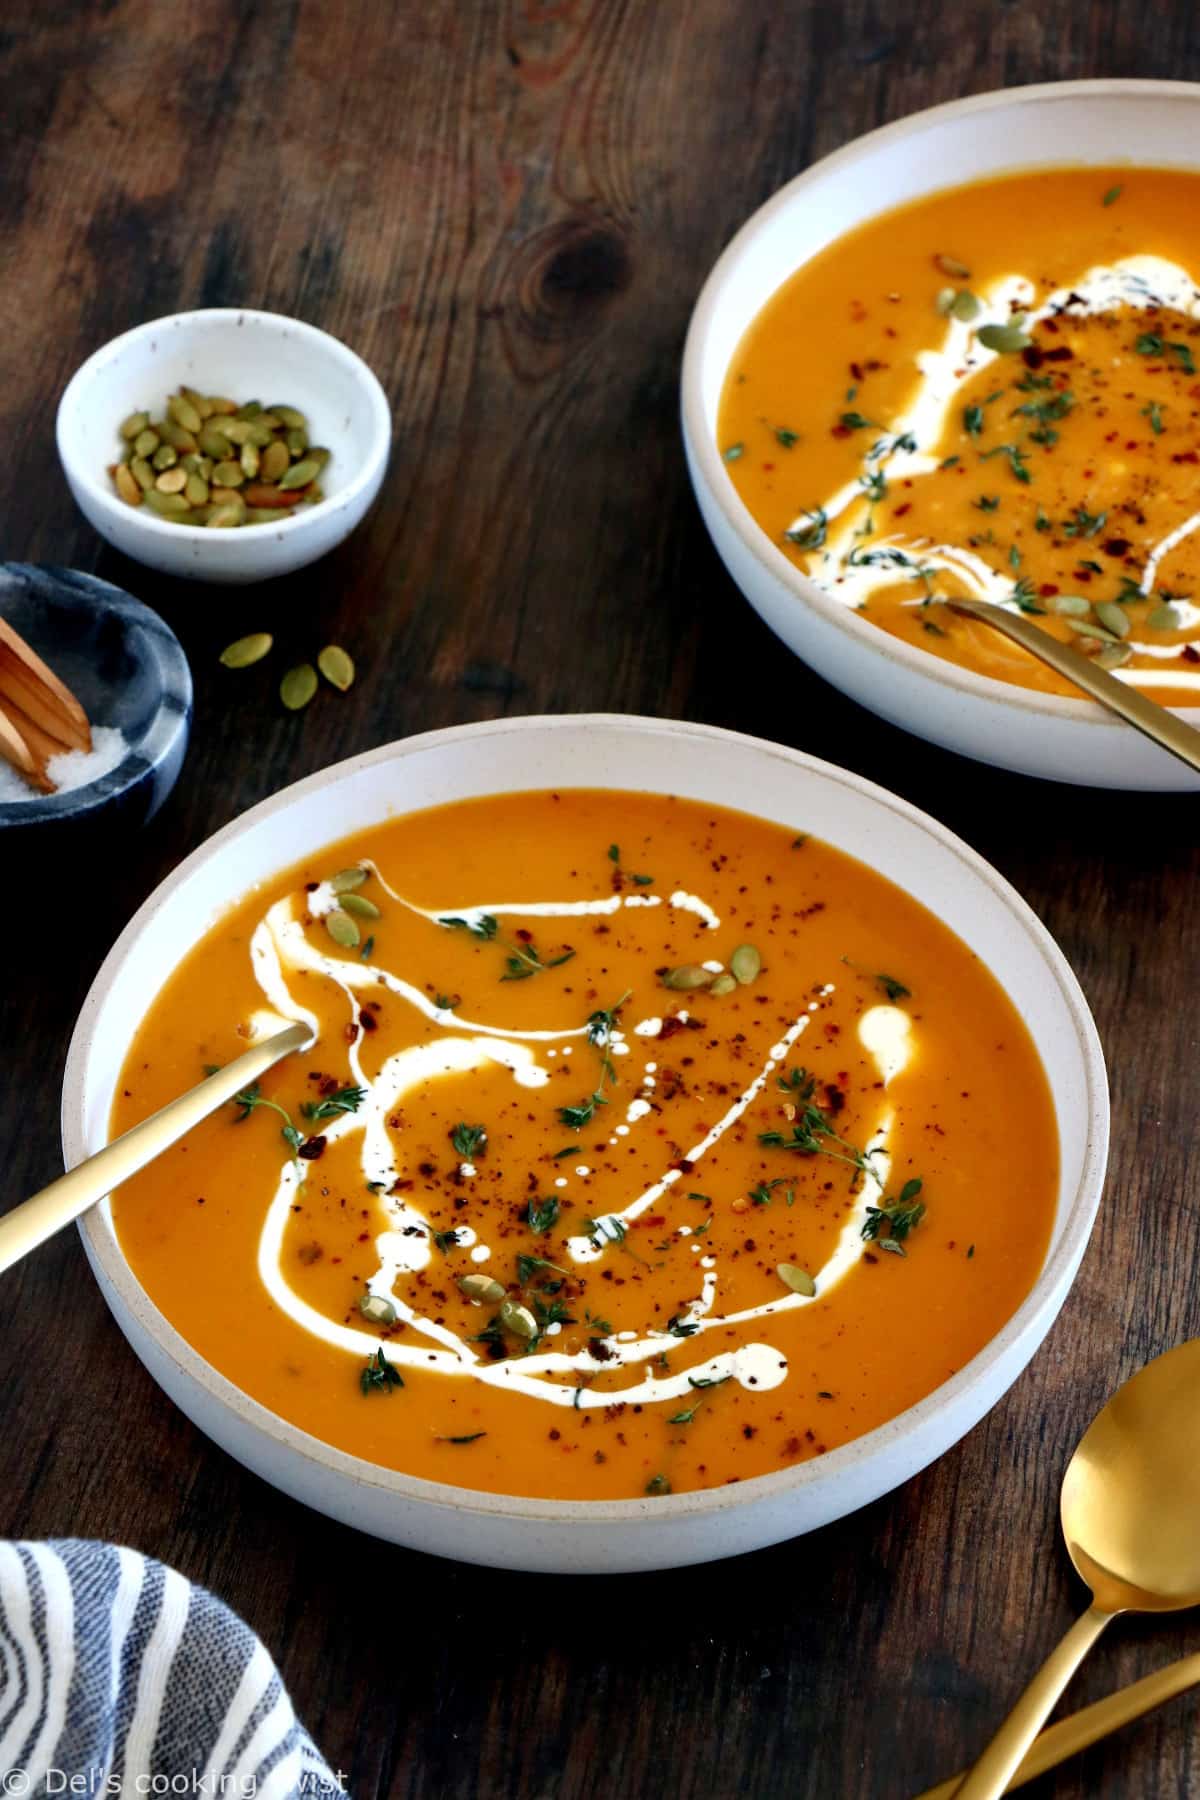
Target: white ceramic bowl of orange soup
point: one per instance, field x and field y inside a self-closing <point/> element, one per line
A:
<point x="961" y="356"/>
<point x="666" y="1180"/>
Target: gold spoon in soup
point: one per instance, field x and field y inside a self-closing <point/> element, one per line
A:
<point x="31" y="1223"/>
<point x="1166" y="728"/>
<point x="1131" y="1518"/>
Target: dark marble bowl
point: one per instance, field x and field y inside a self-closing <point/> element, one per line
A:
<point x="127" y="669"/>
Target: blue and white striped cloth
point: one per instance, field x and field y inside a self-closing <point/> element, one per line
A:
<point x="118" y="1677"/>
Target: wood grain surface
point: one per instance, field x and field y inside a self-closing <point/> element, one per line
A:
<point x="508" y="210"/>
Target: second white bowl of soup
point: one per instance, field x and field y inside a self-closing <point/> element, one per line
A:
<point x="650" y="1192"/>
<point x="896" y="389"/>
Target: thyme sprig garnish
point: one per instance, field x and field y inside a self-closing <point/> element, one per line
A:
<point x="345" y="1100"/>
<point x="1151" y="344"/>
<point x="887" y="1226"/>
<point x="614" y="856"/>
<point x="522" y="957"/>
<point x="812" y="535"/>
<point x="251" y="1098"/>
<point x="468" y="1140"/>
<point x="598" y="1029"/>
<point x="700" y="1383"/>
<point x="812" y="1133"/>
<point x="890" y="985"/>
<point x="542" y="1215"/>
<point x="380" y="1376"/>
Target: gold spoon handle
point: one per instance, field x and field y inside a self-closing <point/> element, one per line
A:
<point x="1070" y="1735"/>
<point x="989" y="1777"/>
<point x="30" y="1224"/>
<point x="1173" y="733"/>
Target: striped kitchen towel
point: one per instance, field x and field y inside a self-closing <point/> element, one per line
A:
<point x="118" y="1677"/>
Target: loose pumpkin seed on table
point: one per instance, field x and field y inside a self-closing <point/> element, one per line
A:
<point x="229" y="465"/>
<point x="245" y="651"/>
<point x="337" y="666"/>
<point x="298" y="686"/>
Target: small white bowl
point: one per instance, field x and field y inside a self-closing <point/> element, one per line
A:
<point x="700" y="763"/>
<point x="248" y="356"/>
<point x="1153" y="123"/>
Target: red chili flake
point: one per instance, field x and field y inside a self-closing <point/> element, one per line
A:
<point x="526" y="937"/>
<point x="310" y="887"/>
<point x="684" y="1166"/>
<point x="1082" y="574"/>
<point x="1060" y="353"/>
<point x="839" y="431"/>
<point x="1047" y="588"/>
<point x="856" y="371"/>
<point x="1185" y="456"/>
<point x="898" y="512"/>
<point x="644" y="1223"/>
<point x="1116" y="546"/>
<point x="368" y="1021"/>
<point x="1190" y="654"/>
<point x="1032" y="357"/>
<point x="312" y="1149"/>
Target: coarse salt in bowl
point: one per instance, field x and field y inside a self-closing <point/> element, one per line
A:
<point x="128" y="671"/>
<point x="245" y="355"/>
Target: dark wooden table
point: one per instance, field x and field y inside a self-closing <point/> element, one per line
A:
<point x="508" y="210"/>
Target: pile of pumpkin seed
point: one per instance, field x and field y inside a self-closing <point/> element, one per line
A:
<point x="348" y="907"/>
<point x="745" y="966"/>
<point x="210" y="461"/>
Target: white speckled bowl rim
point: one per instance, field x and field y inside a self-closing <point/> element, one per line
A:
<point x="101" y="1243"/>
<point x="1021" y="701"/>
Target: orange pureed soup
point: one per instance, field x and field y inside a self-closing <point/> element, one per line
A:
<point x="994" y="392"/>
<point x="645" y="1146"/>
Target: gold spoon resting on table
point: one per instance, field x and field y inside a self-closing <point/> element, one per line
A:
<point x="1130" y="1504"/>
<point x="1166" y="728"/>
<point x="30" y="1224"/>
<point x="1076" y="1732"/>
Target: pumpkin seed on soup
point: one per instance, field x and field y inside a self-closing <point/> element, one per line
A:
<point x="1003" y="338"/>
<point x="687" y="976"/>
<point x="1114" y="617"/>
<point x="481" y="1288"/>
<point x="342" y="929"/>
<point x="360" y="906"/>
<point x="745" y="964"/>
